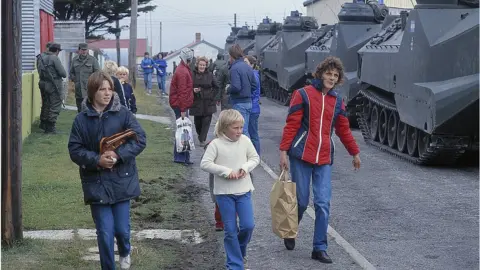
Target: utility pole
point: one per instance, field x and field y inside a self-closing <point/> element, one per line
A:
<point x="11" y="107"/>
<point x="151" y="35"/>
<point x="160" y="39"/>
<point x="117" y="37"/>
<point x="235" y="20"/>
<point x="132" y="57"/>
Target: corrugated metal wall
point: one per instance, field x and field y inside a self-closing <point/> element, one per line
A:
<point x="400" y="3"/>
<point x="47" y="6"/>
<point x="69" y="33"/>
<point x="29" y="30"/>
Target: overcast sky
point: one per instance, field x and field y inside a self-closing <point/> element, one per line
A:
<point x="182" y="19"/>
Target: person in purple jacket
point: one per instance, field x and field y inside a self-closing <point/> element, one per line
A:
<point x="161" y="67"/>
<point x="255" y="112"/>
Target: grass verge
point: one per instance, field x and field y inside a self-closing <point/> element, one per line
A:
<point x="145" y="104"/>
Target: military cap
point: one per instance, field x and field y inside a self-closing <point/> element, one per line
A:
<point x="56" y="46"/>
<point x="49" y="44"/>
<point x="82" y="46"/>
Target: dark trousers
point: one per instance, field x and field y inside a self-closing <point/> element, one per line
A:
<point x="44" y="108"/>
<point x="112" y="220"/>
<point x="202" y="124"/>
<point x="79" y="104"/>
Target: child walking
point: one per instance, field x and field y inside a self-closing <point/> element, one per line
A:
<point x="231" y="157"/>
<point x="122" y="74"/>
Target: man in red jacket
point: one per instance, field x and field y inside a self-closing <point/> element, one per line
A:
<point x="181" y="94"/>
<point x="307" y="139"/>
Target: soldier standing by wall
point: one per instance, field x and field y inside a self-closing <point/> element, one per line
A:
<point x="52" y="72"/>
<point x="41" y="85"/>
<point x="83" y="65"/>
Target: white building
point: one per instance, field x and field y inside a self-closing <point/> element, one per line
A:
<point x="326" y="11"/>
<point x="200" y="48"/>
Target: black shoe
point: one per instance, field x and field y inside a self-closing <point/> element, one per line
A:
<point x="42" y="124"/>
<point x="289" y="243"/>
<point x="50" y="128"/>
<point x="321" y="255"/>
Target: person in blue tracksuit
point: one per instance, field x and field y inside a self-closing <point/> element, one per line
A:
<point x="147" y="66"/>
<point x="255" y="113"/>
<point x="161" y="67"/>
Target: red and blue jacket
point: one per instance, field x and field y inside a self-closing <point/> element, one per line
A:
<point x="307" y="134"/>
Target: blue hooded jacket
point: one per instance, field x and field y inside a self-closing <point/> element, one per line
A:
<point x="256" y="94"/>
<point x="146" y="63"/>
<point x="161" y="67"/>
<point x="242" y="82"/>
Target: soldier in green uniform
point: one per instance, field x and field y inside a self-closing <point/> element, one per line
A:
<point x="41" y="86"/>
<point x="52" y="72"/>
<point x="83" y="65"/>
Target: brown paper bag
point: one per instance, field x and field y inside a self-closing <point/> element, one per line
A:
<point x="283" y="207"/>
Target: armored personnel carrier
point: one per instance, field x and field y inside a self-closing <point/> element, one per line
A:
<point x="358" y="23"/>
<point x="231" y="38"/>
<point x="266" y="30"/>
<point x="283" y="64"/>
<point x="246" y="39"/>
<point x="420" y="83"/>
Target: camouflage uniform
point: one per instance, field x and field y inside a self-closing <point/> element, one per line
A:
<point x="220" y="71"/>
<point x="82" y="67"/>
<point x="41" y="86"/>
<point x="53" y="89"/>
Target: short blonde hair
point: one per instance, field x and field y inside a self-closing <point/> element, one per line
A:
<point x="226" y="119"/>
<point x="123" y="69"/>
<point x="110" y="67"/>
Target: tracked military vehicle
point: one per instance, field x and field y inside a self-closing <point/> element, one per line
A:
<point x="246" y="39"/>
<point x="283" y="68"/>
<point x="266" y="30"/>
<point x="358" y="23"/>
<point x="420" y="83"/>
<point x="231" y="38"/>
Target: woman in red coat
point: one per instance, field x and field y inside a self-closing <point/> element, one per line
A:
<point x="314" y="112"/>
<point x="181" y="95"/>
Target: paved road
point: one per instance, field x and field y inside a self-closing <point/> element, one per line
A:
<point x="396" y="214"/>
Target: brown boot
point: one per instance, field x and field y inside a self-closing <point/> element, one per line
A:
<point x="218" y="219"/>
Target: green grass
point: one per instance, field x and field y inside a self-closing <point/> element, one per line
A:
<point x="47" y="255"/>
<point x="145" y="104"/>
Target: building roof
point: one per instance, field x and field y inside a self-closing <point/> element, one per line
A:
<point x="191" y="45"/>
<point x="124" y="43"/>
<point x="309" y="2"/>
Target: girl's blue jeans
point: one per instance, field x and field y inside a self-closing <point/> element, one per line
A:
<point x="236" y="239"/>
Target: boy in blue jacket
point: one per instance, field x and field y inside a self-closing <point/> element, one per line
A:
<point x="122" y="74"/>
<point x="161" y="67"/>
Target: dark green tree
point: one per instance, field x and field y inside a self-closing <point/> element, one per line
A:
<point x="98" y="15"/>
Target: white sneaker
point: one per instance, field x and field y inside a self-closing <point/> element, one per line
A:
<point x="125" y="262"/>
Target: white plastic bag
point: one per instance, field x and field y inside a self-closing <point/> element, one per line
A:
<point x="183" y="135"/>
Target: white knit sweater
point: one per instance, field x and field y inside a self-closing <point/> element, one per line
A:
<point x="224" y="156"/>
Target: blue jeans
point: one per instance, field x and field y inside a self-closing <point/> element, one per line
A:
<point x="161" y="83"/>
<point x="245" y="109"/>
<point x="322" y="192"/>
<point x="148" y="82"/>
<point x="112" y="220"/>
<point x="253" y="131"/>
<point x="236" y="239"/>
